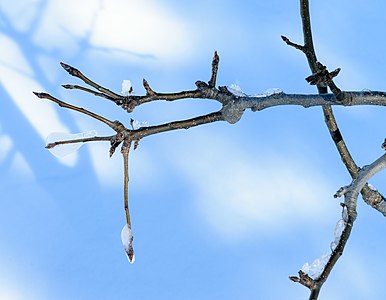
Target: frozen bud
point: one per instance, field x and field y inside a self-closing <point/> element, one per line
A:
<point x="127" y="241"/>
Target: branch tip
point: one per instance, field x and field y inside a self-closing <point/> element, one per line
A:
<point x="50" y="145"/>
<point x="201" y="84"/>
<point x="41" y="95"/>
<point x="289" y="43"/>
<point x="215" y="62"/>
<point x="71" y="70"/>
<point x="148" y="89"/>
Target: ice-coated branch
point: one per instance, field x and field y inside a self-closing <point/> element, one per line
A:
<point x="371" y="197"/>
<point x="351" y="192"/>
<point x="322" y="78"/>
<point x="314" y="276"/>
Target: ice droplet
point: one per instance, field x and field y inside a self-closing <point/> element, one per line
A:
<point x="127" y="241"/>
<point x="65" y="149"/>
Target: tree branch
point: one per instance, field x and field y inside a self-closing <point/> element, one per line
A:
<point x="371" y="197"/>
<point x="322" y="78"/>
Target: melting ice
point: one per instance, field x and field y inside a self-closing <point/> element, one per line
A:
<point x="65" y="149"/>
<point x="316" y="268"/>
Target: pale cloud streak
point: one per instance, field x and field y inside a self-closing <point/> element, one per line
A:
<point x="17" y="78"/>
<point x="238" y="193"/>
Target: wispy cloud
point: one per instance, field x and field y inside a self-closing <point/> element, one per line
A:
<point x="237" y="192"/>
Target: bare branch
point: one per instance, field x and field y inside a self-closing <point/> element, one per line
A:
<point x="125" y="153"/>
<point x="78" y="87"/>
<point x="215" y="62"/>
<point x="78" y="109"/>
<point x="184" y="124"/>
<point x="149" y="91"/>
<point x="75" y="72"/>
<point x="296" y="46"/>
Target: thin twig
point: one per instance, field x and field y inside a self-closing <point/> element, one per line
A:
<point x="184" y="124"/>
<point x="125" y="153"/>
<point x="215" y="62"/>
<point x="95" y="93"/>
<point x="75" y="72"/>
<point x="83" y="140"/>
<point x="78" y="109"/>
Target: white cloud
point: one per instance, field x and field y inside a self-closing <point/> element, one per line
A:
<point x="238" y="192"/>
<point x="142" y="27"/>
<point x="12" y="58"/>
<point x="62" y="24"/>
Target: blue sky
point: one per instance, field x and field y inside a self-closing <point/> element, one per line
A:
<point x="219" y="212"/>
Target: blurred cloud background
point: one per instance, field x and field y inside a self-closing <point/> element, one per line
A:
<point x="219" y="212"/>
